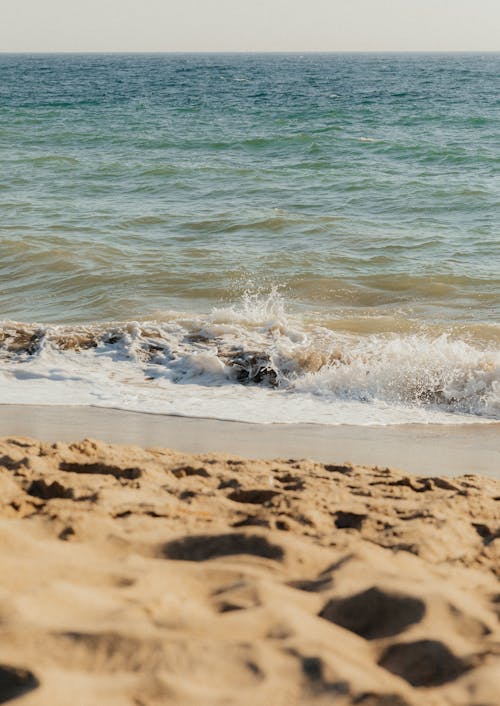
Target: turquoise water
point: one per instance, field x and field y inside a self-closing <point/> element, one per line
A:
<point x="280" y="209"/>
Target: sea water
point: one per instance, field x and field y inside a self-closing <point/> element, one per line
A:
<point x="269" y="238"/>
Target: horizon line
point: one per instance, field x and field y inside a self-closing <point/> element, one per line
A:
<point x="252" y="51"/>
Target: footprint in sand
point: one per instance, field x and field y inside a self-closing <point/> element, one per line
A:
<point x="15" y="682"/>
<point x="423" y="663"/>
<point x="374" y="613"/>
<point x="206" y="546"/>
<point x="254" y="496"/>
<point x="101" y="469"/>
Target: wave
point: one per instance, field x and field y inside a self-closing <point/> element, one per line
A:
<point x="253" y="362"/>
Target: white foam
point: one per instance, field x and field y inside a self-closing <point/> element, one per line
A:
<point x="194" y="366"/>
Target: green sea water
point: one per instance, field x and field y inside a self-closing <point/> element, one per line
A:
<point x="347" y="203"/>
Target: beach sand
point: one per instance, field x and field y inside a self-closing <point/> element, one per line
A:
<point x="146" y="577"/>
<point x="429" y="449"/>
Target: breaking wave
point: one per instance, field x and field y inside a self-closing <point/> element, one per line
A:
<point x="252" y="362"/>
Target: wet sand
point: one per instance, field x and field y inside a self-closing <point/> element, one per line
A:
<point x="426" y="449"/>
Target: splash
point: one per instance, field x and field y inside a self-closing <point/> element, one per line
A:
<point x="255" y="362"/>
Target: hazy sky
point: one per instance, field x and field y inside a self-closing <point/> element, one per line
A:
<point x="249" y="25"/>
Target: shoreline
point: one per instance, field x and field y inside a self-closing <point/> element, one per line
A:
<point x="422" y="449"/>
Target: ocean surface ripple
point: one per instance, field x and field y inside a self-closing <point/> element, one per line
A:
<point x="280" y="237"/>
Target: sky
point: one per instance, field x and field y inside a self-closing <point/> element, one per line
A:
<point x="244" y="25"/>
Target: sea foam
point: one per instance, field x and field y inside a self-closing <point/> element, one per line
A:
<point x="252" y="362"/>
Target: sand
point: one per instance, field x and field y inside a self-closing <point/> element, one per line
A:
<point x="148" y="577"/>
<point x="427" y="449"/>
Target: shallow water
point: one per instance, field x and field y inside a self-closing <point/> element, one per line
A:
<point x="284" y="237"/>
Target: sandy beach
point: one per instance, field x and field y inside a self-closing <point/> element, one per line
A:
<point x="148" y="577"/>
<point x="428" y="449"/>
<point x="249" y="355"/>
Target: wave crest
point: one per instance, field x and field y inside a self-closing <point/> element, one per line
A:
<point x="257" y="344"/>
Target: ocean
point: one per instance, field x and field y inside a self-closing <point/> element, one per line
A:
<point x="264" y="238"/>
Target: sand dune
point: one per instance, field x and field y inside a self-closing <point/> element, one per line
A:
<point x="152" y="577"/>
